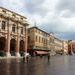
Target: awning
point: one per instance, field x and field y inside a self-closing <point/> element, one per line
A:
<point x="42" y="52"/>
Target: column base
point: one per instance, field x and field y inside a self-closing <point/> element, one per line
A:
<point x="8" y="54"/>
<point x="26" y="54"/>
<point x="17" y="54"/>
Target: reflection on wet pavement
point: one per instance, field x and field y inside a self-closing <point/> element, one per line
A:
<point x="58" y="65"/>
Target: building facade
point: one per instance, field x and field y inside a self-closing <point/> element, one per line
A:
<point x="52" y="46"/>
<point x="65" y="47"/>
<point x="38" y="40"/>
<point x="71" y="46"/>
<point x="58" y="44"/>
<point x="13" y="33"/>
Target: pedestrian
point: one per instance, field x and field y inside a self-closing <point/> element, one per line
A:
<point x="48" y="56"/>
<point x="40" y="55"/>
<point x="27" y="59"/>
<point x="23" y="58"/>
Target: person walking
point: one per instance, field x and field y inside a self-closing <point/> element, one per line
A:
<point x="27" y="59"/>
<point x="48" y="56"/>
<point x="23" y="58"/>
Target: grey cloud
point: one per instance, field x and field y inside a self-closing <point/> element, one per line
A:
<point x="66" y="35"/>
<point x="55" y="25"/>
<point x="51" y="27"/>
<point x="61" y="35"/>
<point x="34" y="2"/>
<point x="66" y="4"/>
<point x="16" y="6"/>
<point x="35" y="7"/>
<point x="67" y="14"/>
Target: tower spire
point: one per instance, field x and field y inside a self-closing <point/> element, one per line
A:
<point x="35" y="24"/>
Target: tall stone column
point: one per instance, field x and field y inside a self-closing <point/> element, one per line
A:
<point x="17" y="43"/>
<point x="8" y="41"/>
<point x="25" y="40"/>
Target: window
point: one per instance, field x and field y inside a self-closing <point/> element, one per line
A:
<point x="13" y="15"/>
<point x="3" y="25"/>
<point x="28" y="31"/>
<point x="28" y="39"/>
<point x="21" y="18"/>
<point x="46" y="41"/>
<point x="4" y="11"/>
<point x="13" y="28"/>
<point x="21" y="30"/>
<point x="35" y="30"/>
<point x="42" y="40"/>
<point x="36" y="38"/>
<point x="25" y="29"/>
<point x="39" y="38"/>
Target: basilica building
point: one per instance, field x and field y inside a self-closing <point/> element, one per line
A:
<point x="13" y="33"/>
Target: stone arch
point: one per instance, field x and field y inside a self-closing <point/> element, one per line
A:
<point x="2" y="46"/>
<point x="2" y="43"/>
<point x="13" y="46"/>
<point x="21" y="47"/>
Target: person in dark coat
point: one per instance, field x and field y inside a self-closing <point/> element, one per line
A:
<point x="23" y="58"/>
<point x="27" y="59"/>
<point x="48" y="56"/>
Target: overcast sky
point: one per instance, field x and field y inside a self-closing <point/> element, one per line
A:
<point x="56" y="16"/>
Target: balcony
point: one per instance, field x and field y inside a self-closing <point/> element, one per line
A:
<point x="13" y="18"/>
<point x="23" y="21"/>
<point x="6" y="15"/>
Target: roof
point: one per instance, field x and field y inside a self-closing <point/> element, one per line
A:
<point x="39" y="29"/>
<point x="58" y="39"/>
<point x="13" y="12"/>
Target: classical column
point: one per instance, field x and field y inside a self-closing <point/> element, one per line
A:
<point x="0" y="23"/>
<point x="8" y="41"/>
<point x="17" y="43"/>
<point x="25" y="41"/>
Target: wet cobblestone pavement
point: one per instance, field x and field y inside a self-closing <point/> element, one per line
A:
<point x="58" y="65"/>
